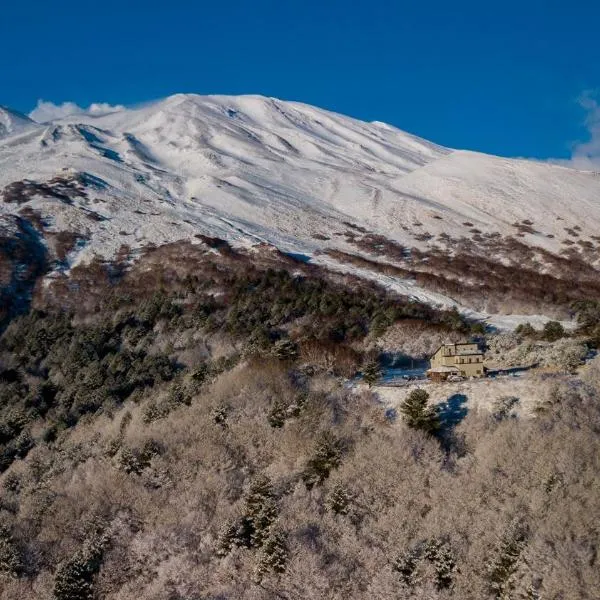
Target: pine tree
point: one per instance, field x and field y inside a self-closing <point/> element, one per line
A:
<point x="440" y="555"/>
<point x="418" y="414"/>
<point x="253" y="527"/>
<point x="219" y="415"/>
<point x="504" y="564"/>
<point x="371" y="372"/>
<point x="273" y="556"/>
<point x="285" y="350"/>
<point x="339" y="500"/>
<point x="10" y="558"/>
<point x="434" y="551"/>
<point x="406" y="565"/>
<point x="277" y="414"/>
<point x="74" y="579"/>
<point x="327" y="456"/>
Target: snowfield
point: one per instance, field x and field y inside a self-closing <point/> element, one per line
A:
<point x="250" y="169"/>
<point x="13" y="122"/>
<point x="485" y="394"/>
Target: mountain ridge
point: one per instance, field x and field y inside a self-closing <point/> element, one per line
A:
<point x="311" y="182"/>
<point x="13" y="122"/>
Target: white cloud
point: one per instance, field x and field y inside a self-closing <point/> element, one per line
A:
<point x="586" y="155"/>
<point x="48" y="111"/>
<point x="102" y="108"/>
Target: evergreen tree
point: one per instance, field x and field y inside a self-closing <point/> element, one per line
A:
<point x="253" y="527"/>
<point x="277" y="414"/>
<point x="417" y="414"/>
<point x="327" y="456"/>
<point x="526" y="330"/>
<point x="10" y="558"/>
<point x="74" y="579"/>
<point x="273" y="556"/>
<point x="501" y="569"/>
<point x="339" y="500"/>
<point x="371" y="372"/>
<point x="553" y="331"/>
<point x="285" y="350"/>
<point x="434" y="551"/>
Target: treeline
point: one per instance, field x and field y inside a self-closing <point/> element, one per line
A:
<point x="487" y="272"/>
<point x="68" y="360"/>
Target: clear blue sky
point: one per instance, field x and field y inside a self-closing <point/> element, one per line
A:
<point x="500" y="77"/>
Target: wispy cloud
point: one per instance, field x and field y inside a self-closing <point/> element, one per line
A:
<point x="48" y="111"/>
<point x="586" y="155"/>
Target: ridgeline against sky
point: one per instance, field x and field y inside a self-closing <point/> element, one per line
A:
<point x="516" y="79"/>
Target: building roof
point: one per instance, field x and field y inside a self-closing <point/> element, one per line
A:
<point x="458" y="344"/>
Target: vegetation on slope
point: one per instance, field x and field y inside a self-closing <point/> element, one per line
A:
<point x="180" y="431"/>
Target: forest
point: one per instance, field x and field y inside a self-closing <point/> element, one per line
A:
<point x="183" y="429"/>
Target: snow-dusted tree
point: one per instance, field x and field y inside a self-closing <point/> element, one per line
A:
<point x="503" y="564"/>
<point x="339" y="499"/>
<point x="417" y="413"/>
<point x="372" y="372"/>
<point x="10" y="558"/>
<point x="273" y="556"/>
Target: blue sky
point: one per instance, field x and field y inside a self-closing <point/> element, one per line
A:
<point x="507" y="77"/>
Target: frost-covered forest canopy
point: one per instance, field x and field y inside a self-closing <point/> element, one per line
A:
<point x="183" y="429"/>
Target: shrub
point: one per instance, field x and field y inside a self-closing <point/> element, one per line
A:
<point x="553" y="331"/>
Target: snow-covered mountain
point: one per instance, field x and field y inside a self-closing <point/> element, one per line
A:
<point x="13" y="122"/>
<point x="330" y="188"/>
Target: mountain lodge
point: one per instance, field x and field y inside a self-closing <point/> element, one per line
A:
<point x="462" y="360"/>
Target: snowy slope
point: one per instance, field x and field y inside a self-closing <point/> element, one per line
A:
<point x="252" y="169"/>
<point x="13" y="123"/>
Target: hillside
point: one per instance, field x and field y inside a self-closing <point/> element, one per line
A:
<point x="444" y="226"/>
<point x="187" y="428"/>
<point x="198" y="300"/>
